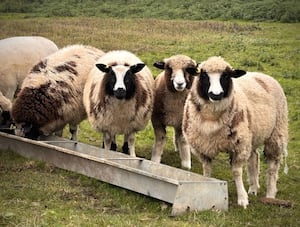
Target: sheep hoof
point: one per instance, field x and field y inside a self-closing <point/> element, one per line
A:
<point x="113" y="146"/>
<point x="125" y="148"/>
<point x="243" y="202"/>
<point x="186" y="165"/>
<point x="252" y="191"/>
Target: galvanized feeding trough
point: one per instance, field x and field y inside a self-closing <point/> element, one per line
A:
<point x="184" y="189"/>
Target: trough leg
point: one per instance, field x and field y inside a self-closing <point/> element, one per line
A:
<point x="253" y="172"/>
<point x="160" y="140"/>
<point x="184" y="149"/>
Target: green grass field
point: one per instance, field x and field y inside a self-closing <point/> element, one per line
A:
<point x="37" y="194"/>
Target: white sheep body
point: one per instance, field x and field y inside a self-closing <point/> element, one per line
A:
<point x="51" y="95"/>
<point x="254" y="114"/>
<point x="17" y="56"/>
<point x="114" y="116"/>
<point x="169" y="104"/>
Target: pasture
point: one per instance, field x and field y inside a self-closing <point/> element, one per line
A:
<point x="37" y="194"/>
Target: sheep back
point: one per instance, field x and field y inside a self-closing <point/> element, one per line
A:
<point x="17" y="56"/>
<point x="51" y="94"/>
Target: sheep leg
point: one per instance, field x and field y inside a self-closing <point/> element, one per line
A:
<point x="272" y="177"/>
<point x="184" y="149"/>
<point x="253" y="172"/>
<point x="275" y="146"/>
<point x="73" y="131"/>
<point x="237" y="172"/>
<point x="175" y="142"/>
<point x="113" y="145"/>
<point x="160" y="140"/>
<point x="108" y="140"/>
<point x="59" y="133"/>
<point x="130" y="138"/>
<point x="206" y="165"/>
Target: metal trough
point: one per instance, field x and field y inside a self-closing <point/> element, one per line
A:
<point x="184" y="189"/>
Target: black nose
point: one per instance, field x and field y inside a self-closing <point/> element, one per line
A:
<point x="216" y="97"/>
<point x="120" y="93"/>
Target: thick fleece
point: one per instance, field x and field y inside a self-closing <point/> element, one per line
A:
<point x="51" y="95"/>
<point x="250" y="112"/>
<point x="172" y="86"/>
<point x="118" y="97"/>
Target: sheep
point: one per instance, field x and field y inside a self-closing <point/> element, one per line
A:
<point x="237" y="116"/>
<point x="172" y="86"/>
<point x="17" y="56"/>
<point x="118" y="98"/>
<point x="5" y="119"/>
<point x="51" y="94"/>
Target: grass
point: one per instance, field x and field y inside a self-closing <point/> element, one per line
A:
<point x="259" y="10"/>
<point x="38" y="194"/>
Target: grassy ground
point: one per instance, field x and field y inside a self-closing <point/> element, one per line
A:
<point x="38" y="194"/>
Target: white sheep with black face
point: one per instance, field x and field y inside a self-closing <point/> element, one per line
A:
<point x="237" y="116"/>
<point x="118" y="98"/>
<point x="52" y="93"/>
<point x="172" y="86"/>
<point x="17" y="56"/>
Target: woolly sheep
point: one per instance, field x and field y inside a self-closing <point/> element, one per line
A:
<point x="118" y="97"/>
<point x="237" y="116"/>
<point x="17" y="56"/>
<point x="171" y="89"/>
<point x="51" y="94"/>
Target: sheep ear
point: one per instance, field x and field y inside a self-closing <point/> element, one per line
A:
<point x="238" y="73"/>
<point x="136" y="68"/>
<point x="103" y="67"/>
<point x="194" y="71"/>
<point x="159" y="65"/>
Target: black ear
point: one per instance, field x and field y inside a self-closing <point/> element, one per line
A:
<point x="159" y="65"/>
<point x="238" y="73"/>
<point x="137" y="67"/>
<point x="103" y="67"/>
<point x="194" y="71"/>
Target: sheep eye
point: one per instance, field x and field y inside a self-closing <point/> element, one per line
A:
<point x="204" y="75"/>
<point x="168" y="68"/>
<point x="226" y="75"/>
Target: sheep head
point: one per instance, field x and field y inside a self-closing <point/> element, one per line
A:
<point x="178" y="69"/>
<point x="215" y="79"/>
<point x="120" y="79"/>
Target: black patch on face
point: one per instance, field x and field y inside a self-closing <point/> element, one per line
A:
<point x="168" y="77"/>
<point x="129" y="82"/>
<point x="39" y="66"/>
<point x="226" y="82"/>
<point x="189" y="78"/>
<point x="109" y="82"/>
<point x="203" y="85"/>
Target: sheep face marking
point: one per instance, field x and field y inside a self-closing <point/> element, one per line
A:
<point x="120" y="79"/>
<point x="215" y="86"/>
<point x="177" y="78"/>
